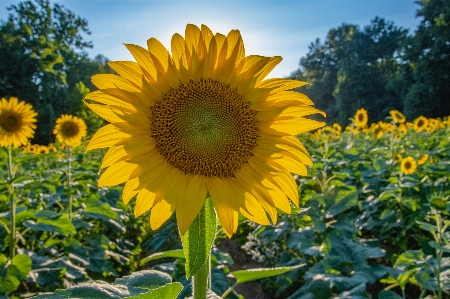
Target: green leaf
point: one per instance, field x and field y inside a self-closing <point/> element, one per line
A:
<point x="389" y="295"/>
<point x="436" y="246"/>
<point x="426" y="226"/>
<point x="98" y="210"/>
<point x="90" y="290"/>
<point x="12" y="274"/>
<point x="61" y="225"/>
<point x="177" y="253"/>
<point x="169" y="291"/>
<point x="143" y="280"/>
<point x="254" y="274"/>
<point x="408" y="258"/>
<point x="198" y="240"/>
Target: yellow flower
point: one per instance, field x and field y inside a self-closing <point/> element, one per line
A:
<point x="408" y="165"/>
<point x="398" y="158"/>
<point x="201" y="121"/>
<point x="361" y="118"/>
<point x="422" y="159"/>
<point x="377" y="131"/>
<point x="70" y="130"/>
<point x="397" y="116"/>
<point x="402" y="129"/>
<point x="337" y="127"/>
<point x="17" y="122"/>
<point x="420" y="123"/>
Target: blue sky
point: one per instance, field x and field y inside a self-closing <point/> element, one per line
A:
<point x="269" y="28"/>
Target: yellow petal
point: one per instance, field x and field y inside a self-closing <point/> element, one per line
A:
<point x="293" y="126"/>
<point x="144" y="60"/>
<point x="113" y="155"/>
<point x="274" y="61"/>
<point x="144" y="202"/>
<point x="191" y="202"/>
<point x="129" y="190"/>
<point x="105" y="81"/>
<point x="104" y="111"/>
<point x="178" y="50"/>
<point x="116" y="174"/>
<point x="278" y="85"/>
<point x="106" y="136"/>
<point x="160" y="213"/>
<point x="220" y="196"/>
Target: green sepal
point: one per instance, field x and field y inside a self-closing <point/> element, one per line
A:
<point x="198" y="240"/>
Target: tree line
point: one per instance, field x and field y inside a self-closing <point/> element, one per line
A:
<point x="44" y="62"/>
<point x="382" y="67"/>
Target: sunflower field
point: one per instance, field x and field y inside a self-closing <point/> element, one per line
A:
<point x="372" y="223"/>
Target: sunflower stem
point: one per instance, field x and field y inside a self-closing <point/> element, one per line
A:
<point x="13" y="204"/>
<point x="69" y="180"/>
<point x="202" y="281"/>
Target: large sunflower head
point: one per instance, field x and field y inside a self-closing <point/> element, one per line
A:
<point x="201" y="121"/>
<point x="361" y="118"/>
<point x="408" y="165"/>
<point x="70" y="130"/>
<point x="17" y="122"/>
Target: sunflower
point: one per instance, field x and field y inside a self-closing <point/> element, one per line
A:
<point x="422" y="159"/>
<point x="420" y="124"/>
<point x="70" y="130"/>
<point x="201" y="121"/>
<point x="361" y="118"/>
<point x="17" y="122"/>
<point x="377" y="131"/>
<point x="398" y="158"/>
<point x="408" y="165"/>
<point x="397" y="116"/>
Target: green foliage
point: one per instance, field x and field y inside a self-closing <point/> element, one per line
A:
<point x="11" y="274"/>
<point x="140" y="285"/>
<point x="429" y="66"/>
<point x="382" y="67"/>
<point x="43" y="62"/>
<point x="355" y="68"/>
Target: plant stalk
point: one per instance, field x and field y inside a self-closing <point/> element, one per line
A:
<point x="202" y="281"/>
<point x="69" y="180"/>
<point x="13" y="205"/>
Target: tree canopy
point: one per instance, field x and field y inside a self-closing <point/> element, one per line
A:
<point x="382" y="67"/>
<point x="44" y="61"/>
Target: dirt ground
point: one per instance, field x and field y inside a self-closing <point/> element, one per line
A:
<point x="243" y="261"/>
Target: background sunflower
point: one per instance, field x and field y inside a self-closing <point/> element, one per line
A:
<point x="17" y="122"/>
<point x="70" y="130"/>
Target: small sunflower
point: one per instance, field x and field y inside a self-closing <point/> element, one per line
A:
<point x="397" y="116"/>
<point x="377" y="131"/>
<point x="420" y="124"/>
<point x="408" y="165"/>
<point x="361" y="118"/>
<point x="70" y="130"/>
<point x="201" y="121"/>
<point x="398" y="158"/>
<point x="422" y="159"/>
<point x="402" y="129"/>
<point x="17" y="122"/>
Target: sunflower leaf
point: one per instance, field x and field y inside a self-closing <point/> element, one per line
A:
<point x="176" y="253"/>
<point x="198" y="240"/>
<point x="254" y="274"/>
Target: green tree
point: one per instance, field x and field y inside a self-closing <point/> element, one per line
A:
<point x="43" y="59"/>
<point x="429" y="62"/>
<point x="356" y="68"/>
